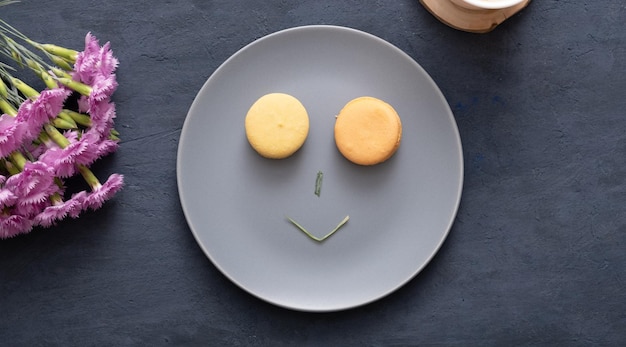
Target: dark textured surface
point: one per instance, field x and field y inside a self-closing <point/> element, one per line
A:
<point x="537" y="255"/>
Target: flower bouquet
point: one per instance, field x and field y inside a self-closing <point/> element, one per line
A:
<point x="58" y="132"/>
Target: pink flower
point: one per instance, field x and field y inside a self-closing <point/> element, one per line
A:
<point x="11" y="134"/>
<point x="103" y="192"/>
<point x="33" y="186"/>
<point x="101" y="144"/>
<point x="12" y="225"/>
<point x="99" y="97"/>
<point x="30" y="209"/>
<point x="35" y="149"/>
<point x="94" y="61"/>
<point x="7" y="198"/>
<point x="71" y="135"/>
<point x="102" y="114"/>
<point x="64" y="161"/>
<point x="58" y="211"/>
<point x="34" y="196"/>
<point x="87" y="59"/>
<point x="102" y="88"/>
<point x="34" y="114"/>
<point x="106" y="147"/>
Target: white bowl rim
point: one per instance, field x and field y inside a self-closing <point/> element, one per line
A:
<point x="493" y="4"/>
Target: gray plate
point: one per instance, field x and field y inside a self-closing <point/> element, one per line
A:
<point x="236" y="202"/>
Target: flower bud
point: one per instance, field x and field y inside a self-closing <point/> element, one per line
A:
<point x="65" y="53"/>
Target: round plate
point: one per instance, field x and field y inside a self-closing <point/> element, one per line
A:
<point x="237" y="203"/>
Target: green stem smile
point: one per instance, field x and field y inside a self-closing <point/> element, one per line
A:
<point x="319" y="239"/>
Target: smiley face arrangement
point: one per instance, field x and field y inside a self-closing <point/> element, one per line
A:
<point x="367" y="130"/>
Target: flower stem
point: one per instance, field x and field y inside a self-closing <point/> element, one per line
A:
<point x="75" y="85"/>
<point x="62" y="63"/>
<point x="4" y="92"/>
<point x="78" y="118"/>
<point x="18" y="160"/>
<point x="11" y="169"/>
<point x="45" y="76"/>
<point x="7" y="108"/>
<point x="56" y="136"/>
<point x="61" y="73"/>
<point x="64" y="124"/>
<point x="89" y="177"/>
<point x="66" y="117"/>
<point x="65" y="53"/>
<point x="27" y="90"/>
<point x="56" y="198"/>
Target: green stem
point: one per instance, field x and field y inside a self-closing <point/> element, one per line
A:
<point x="318" y="183"/>
<point x="45" y="77"/>
<point x="27" y="90"/>
<point x="61" y="73"/>
<point x="11" y="169"/>
<point x="65" y="53"/>
<point x="4" y="92"/>
<point x="319" y="239"/>
<point x="64" y="124"/>
<point x="79" y="118"/>
<point x="56" y="198"/>
<point x="89" y="177"/>
<point x="18" y="160"/>
<point x="62" y="63"/>
<point x="75" y="85"/>
<point x="66" y="117"/>
<point x="7" y="108"/>
<point x="56" y="136"/>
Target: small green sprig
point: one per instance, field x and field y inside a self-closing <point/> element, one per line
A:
<point x="319" y="239"/>
<point x="318" y="183"/>
<point x="7" y="2"/>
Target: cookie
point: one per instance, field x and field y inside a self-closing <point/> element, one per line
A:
<point x="277" y="125"/>
<point x="368" y="131"/>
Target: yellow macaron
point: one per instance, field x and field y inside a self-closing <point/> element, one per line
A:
<point x="277" y="125"/>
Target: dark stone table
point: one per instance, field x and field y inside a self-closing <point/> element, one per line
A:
<point x="537" y="255"/>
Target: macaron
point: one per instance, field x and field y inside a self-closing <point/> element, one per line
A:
<point x="368" y="131"/>
<point x="277" y="125"/>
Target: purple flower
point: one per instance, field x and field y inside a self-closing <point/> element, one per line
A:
<point x="64" y="160"/>
<point x="100" y="142"/>
<point x="34" y="114"/>
<point x="95" y="67"/>
<point x="58" y="211"/>
<point x="102" y="114"/>
<point x="30" y="209"/>
<point x="11" y="134"/>
<point x="71" y="135"/>
<point x="103" y="192"/>
<point x="13" y="224"/>
<point x="102" y="88"/>
<point x="7" y="198"/>
<point x="35" y="149"/>
<point x="106" y="147"/>
<point x="32" y="186"/>
<point x="94" y="61"/>
<point x="34" y="196"/>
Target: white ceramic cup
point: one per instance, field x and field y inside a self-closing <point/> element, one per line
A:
<point x="487" y="4"/>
